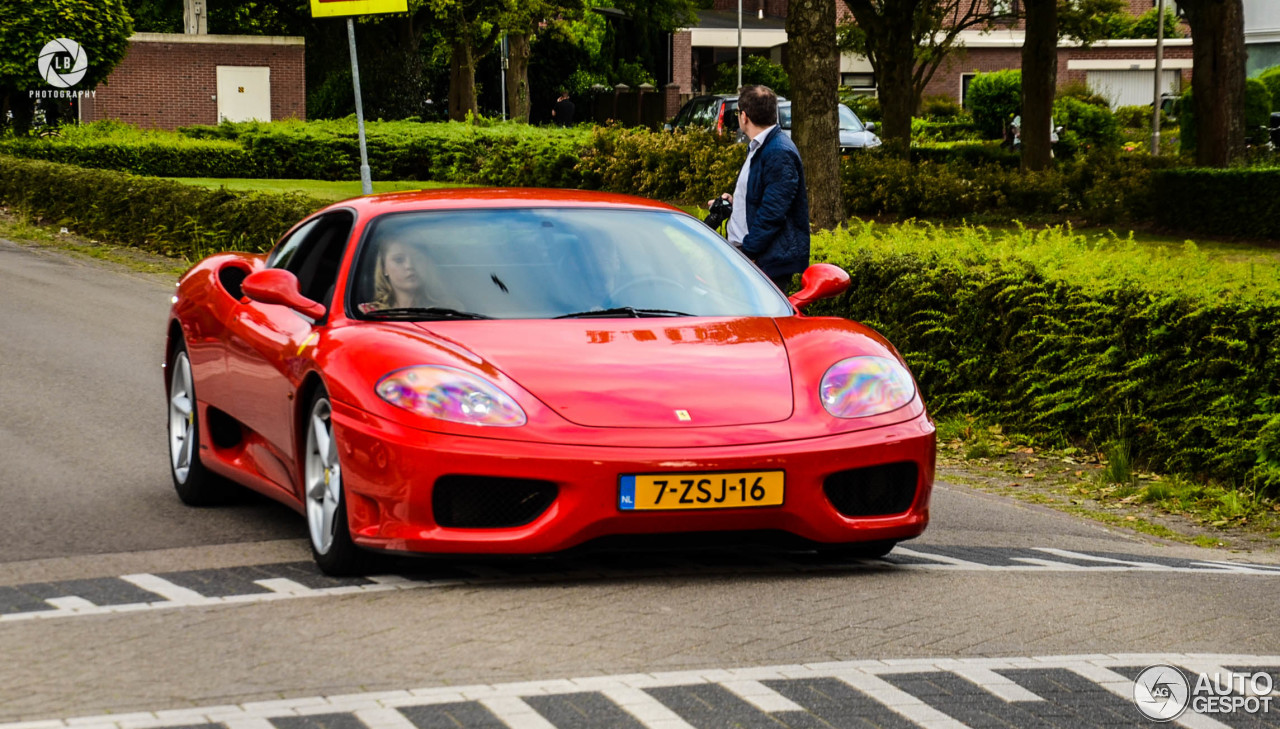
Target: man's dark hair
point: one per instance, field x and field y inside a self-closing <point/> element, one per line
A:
<point x="760" y="104"/>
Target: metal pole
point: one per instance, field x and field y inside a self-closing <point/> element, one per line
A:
<point x="739" y="45"/>
<point x="1155" y="116"/>
<point x="502" y="72"/>
<point x="366" y="179"/>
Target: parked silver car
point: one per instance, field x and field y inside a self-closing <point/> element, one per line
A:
<point x="853" y="133"/>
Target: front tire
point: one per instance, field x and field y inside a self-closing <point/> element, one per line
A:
<point x="195" y="484"/>
<point x="331" y="544"/>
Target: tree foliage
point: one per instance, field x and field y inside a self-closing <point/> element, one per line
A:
<point x="755" y="70"/>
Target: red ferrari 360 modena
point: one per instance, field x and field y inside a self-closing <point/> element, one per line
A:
<point x="526" y="371"/>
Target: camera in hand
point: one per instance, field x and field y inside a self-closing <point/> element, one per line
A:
<point x="721" y="209"/>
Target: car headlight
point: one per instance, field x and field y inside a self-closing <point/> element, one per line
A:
<point x="447" y="393"/>
<point x="859" y="387"/>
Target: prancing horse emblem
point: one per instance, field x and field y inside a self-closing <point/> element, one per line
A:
<point x="683" y="416"/>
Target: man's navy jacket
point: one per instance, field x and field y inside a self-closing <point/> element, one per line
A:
<point x="777" y="208"/>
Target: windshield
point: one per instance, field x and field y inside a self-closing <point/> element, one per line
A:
<point x="849" y="122"/>
<point x="546" y="263"/>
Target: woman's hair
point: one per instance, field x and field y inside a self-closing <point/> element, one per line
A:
<point x="760" y="105"/>
<point x="383" y="295"/>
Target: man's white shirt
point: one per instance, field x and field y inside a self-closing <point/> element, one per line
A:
<point x="738" y="219"/>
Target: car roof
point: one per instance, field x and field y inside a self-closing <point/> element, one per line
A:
<point x="495" y="198"/>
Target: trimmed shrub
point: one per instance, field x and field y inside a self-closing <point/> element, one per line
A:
<point x="866" y="107"/>
<point x="687" y="165"/>
<point x="966" y="152"/>
<point x="1243" y="202"/>
<point x="941" y="107"/>
<point x="161" y="216"/>
<point x="1085" y="127"/>
<point x="1257" y="110"/>
<point x="1052" y="334"/>
<point x="755" y="70"/>
<point x="994" y="99"/>
<point x="1271" y="77"/>
<point x="1134" y="117"/>
<point x="1080" y="90"/>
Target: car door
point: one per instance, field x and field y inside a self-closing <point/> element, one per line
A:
<point x="266" y="341"/>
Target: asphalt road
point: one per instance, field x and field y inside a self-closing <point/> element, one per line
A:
<point x="119" y="604"/>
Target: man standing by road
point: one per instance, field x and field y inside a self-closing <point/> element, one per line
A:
<point x="770" y="220"/>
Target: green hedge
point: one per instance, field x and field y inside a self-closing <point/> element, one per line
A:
<point x="169" y="158"/>
<point x="156" y="215"/>
<point x="1051" y="334"/>
<point x="1099" y="188"/>
<point x="1235" y="202"/>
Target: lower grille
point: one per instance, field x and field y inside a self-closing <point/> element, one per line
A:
<point x="486" y="502"/>
<point x="874" y="491"/>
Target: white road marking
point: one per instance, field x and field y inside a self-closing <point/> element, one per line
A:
<point x="378" y="709"/>
<point x="646" y="709"/>
<point x="900" y="701"/>
<point x="279" y="588"/>
<point x="762" y="697"/>
<point x="996" y="684"/>
<point x="170" y="592"/>
<point x="515" y="713"/>
<point x="71" y="603"/>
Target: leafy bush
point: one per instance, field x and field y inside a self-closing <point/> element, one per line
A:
<point x="994" y="99"/>
<point x="941" y="107"/>
<point x="1134" y="117"/>
<point x="1257" y="109"/>
<point x="1050" y="333"/>
<point x="866" y="107"/>
<point x="1085" y="126"/>
<point x="926" y="130"/>
<point x="1146" y="25"/>
<point x="687" y="165"/>
<point x="1241" y="202"/>
<point x="1080" y="90"/>
<point x="755" y="70"/>
<point x="156" y="215"/>
<point x="1186" y="123"/>
<point x="1271" y="77"/>
<point x="967" y="152"/>
<point x="1100" y="188"/>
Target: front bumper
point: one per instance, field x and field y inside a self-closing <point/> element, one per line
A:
<point x="389" y="471"/>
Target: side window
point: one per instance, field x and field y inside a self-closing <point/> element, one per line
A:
<point x="315" y="254"/>
<point x="701" y="115"/>
<point x="683" y="117"/>
<point x="285" y="249"/>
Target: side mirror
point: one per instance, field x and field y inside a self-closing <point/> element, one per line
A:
<point x="820" y="281"/>
<point x="278" y="286"/>
<point x="668" y="128"/>
<point x="870" y="126"/>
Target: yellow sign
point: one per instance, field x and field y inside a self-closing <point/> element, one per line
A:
<point x="335" y="8"/>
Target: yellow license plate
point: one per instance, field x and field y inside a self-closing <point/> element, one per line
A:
<point x="666" y="491"/>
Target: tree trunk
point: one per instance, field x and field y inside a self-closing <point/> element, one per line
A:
<point x="895" y="77"/>
<point x="1218" y="78"/>
<point x="814" y="68"/>
<point x="1039" y="82"/>
<point x="462" y="81"/>
<point x="518" y="77"/>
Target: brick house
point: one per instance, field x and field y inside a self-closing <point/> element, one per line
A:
<point x="170" y="80"/>
<point x="1121" y="70"/>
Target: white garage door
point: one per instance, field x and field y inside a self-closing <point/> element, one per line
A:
<point x="244" y="93"/>
<point x="1130" y="88"/>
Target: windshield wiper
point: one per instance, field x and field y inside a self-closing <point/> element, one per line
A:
<point x="628" y="311"/>
<point x="424" y="313"/>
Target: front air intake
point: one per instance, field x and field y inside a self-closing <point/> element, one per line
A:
<point x="488" y="502"/>
<point x="874" y="491"/>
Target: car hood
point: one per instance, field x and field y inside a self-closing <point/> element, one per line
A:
<point x="641" y="373"/>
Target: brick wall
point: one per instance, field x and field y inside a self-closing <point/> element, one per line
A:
<point x="946" y="81"/>
<point x="165" y="84"/>
<point x="682" y="60"/>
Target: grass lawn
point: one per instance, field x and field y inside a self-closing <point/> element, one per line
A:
<point x="320" y="189"/>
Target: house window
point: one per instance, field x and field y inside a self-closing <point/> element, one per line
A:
<point x="965" y="78"/>
<point x="1006" y="8"/>
<point x="863" y="84"/>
